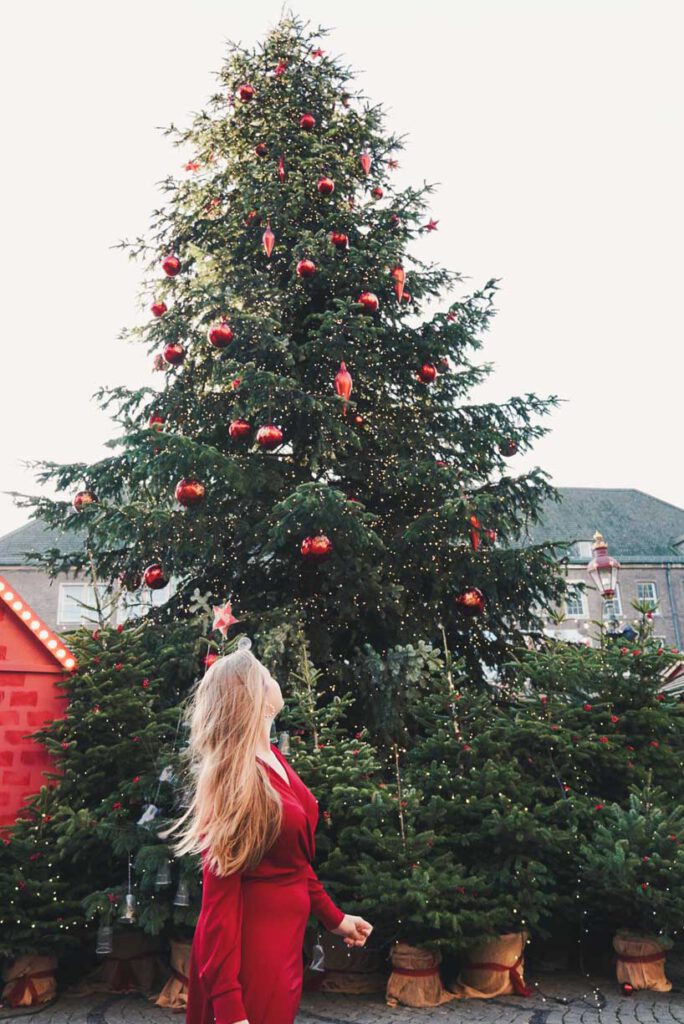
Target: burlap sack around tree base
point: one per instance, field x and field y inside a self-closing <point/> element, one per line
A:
<point x="353" y="971"/>
<point x="135" y="964"/>
<point x="494" y="968"/>
<point x="415" y="979"/>
<point x="174" y="995"/>
<point x="29" y="980"/>
<point x="641" y="960"/>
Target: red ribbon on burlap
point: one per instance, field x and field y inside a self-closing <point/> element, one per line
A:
<point x="519" y="986"/>
<point x="24" y="982"/>
<point x="416" y="972"/>
<point x="124" y="976"/>
<point x="649" y="958"/>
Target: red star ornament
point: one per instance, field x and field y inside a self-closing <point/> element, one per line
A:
<point x="431" y="225"/>
<point x="223" y="618"/>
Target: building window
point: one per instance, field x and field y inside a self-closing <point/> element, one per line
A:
<point x="584" y="549"/>
<point x="77" y="604"/>
<point x="135" y="604"/>
<point x="613" y="609"/>
<point x="575" y="603"/>
<point x="648" y="592"/>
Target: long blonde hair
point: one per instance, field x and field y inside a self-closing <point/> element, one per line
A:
<point x="235" y="812"/>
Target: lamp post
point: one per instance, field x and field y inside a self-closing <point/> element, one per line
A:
<point x="603" y="570"/>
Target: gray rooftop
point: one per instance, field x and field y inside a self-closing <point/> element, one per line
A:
<point x="637" y="527"/>
<point x="35" y="536"/>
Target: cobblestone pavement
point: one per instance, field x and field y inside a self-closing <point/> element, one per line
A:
<point x="559" y="999"/>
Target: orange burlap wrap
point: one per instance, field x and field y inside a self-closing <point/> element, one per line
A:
<point x="134" y="965"/>
<point x="30" y="980"/>
<point x="494" y="969"/>
<point x="415" y="979"/>
<point x="174" y="994"/>
<point x="353" y="971"/>
<point x="641" y="960"/>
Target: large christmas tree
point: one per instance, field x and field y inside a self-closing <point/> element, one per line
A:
<point x="311" y="453"/>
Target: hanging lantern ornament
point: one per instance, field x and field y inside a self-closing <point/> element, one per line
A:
<point x="365" y="161"/>
<point x="220" y="334"/>
<point x="190" y="492"/>
<point x="130" y="911"/>
<point x="82" y="499"/>
<point x="163" y="874"/>
<point x="470" y="601"/>
<point x="475" y="527"/>
<point x="104" y="937"/>
<point x="154" y="577"/>
<point x="268" y="239"/>
<point x="603" y="568"/>
<point x="182" y="897"/>
<point x="399" y="281"/>
<point x="343" y="386"/>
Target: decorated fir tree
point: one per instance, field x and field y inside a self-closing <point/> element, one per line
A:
<point x="307" y="446"/>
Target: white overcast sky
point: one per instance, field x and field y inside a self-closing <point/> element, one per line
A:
<point x="554" y="131"/>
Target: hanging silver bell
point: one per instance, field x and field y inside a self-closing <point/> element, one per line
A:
<point x="182" y="897"/>
<point x="130" y="913"/>
<point x="163" y="874"/>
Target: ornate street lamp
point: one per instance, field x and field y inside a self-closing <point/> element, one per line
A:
<point x="603" y="568"/>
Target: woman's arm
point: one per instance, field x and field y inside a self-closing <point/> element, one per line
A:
<point x="218" y="940"/>
<point x="327" y="912"/>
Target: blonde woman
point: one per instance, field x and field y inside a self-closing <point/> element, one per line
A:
<point x="252" y="820"/>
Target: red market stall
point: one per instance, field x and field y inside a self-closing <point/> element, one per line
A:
<point x="32" y="660"/>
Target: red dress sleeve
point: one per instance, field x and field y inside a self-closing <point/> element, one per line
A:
<point x="327" y="912"/>
<point x="218" y="940"/>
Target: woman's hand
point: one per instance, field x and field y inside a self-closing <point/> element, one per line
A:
<point x="355" y="930"/>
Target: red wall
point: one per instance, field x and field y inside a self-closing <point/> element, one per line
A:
<point x="28" y="699"/>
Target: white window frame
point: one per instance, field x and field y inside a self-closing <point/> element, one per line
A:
<point x="136" y="604"/>
<point x="77" y="614"/>
<point x="649" y="583"/>
<point x="580" y="597"/>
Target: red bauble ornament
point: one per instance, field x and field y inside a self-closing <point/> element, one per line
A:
<point x="280" y="68"/>
<point x="269" y="436"/>
<point x="252" y="218"/>
<point x="240" y="429"/>
<point x="268" y="238"/>
<point x="261" y="149"/>
<point x="377" y="192"/>
<point x="470" y="601"/>
<point x="427" y="373"/>
<point x="395" y="221"/>
<point x="406" y="297"/>
<point x="491" y="536"/>
<point x="508" y="447"/>
<point x="343" y="385"/>
<point x="281" y="169"/>
<point x="171" y="265"/>
<point x="190" y="492"/>
<point x="325" y="186"/>
<point x="627" y="988"/>
<point x="154" y="577"/>
<point x="246" y="93"/>
<point x="220" y="334"/>
<point x="365" y="161"/>
<point x="174" y="353"/>
<point x="155" y="422"/>
<point x="306" y="268"/>
<point x="316" y="549"/>
<point x="399" y="280"/>
<point x="369" y="301"/>
<point x="158" y="308"/>
<point x="339" y="239"/>
<point x="359" y="420"/>
<point x="83" y="498"/>
<point x="307" y="121"/>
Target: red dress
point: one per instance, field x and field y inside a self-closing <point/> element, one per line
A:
<point x="246" y="958"/>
